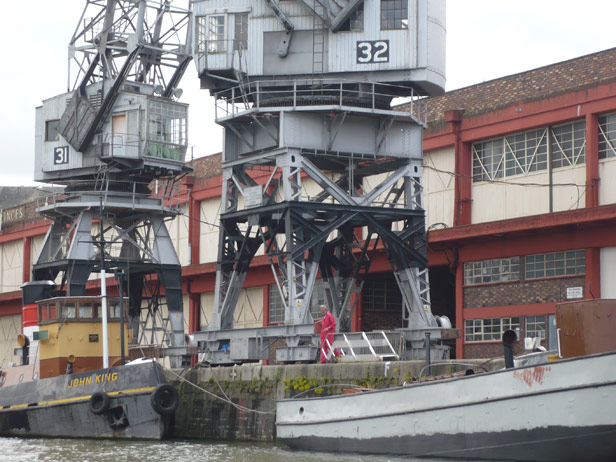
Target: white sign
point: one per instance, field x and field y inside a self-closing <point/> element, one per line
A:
<point x="575" y="292"/>
<point x="253" y="196"/>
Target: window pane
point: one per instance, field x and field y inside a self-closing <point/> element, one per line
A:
<point x="240" y="38"/>
<point x="496" y="270"/>
<point x="555" y="264"/>
<point x="535" y="326"/>
<point x="489" y="330"/>
<point x="86" y="310"/>
<point x="68" y="311"/>
<point x="167" y="133"/>
<point x="51" y="130"/>
<point x="394" y="14"/>
<point x="607" y="136"/>
<point x="216" y="34"/>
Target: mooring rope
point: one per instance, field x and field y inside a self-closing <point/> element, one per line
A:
<point x="226" y="399"/>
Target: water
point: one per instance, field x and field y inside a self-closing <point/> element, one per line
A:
<point x="17" y="449"/>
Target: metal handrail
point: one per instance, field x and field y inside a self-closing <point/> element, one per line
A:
<point x="266" y="94"/>
<point x="172" y="196"/>
<point x="351" y="350"/>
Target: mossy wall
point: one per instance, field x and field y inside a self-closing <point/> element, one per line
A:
<point x="254" y="389"/>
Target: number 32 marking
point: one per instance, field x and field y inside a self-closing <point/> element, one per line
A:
<point x="375" y="51"/>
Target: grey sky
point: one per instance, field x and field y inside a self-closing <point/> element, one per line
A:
<point x="486" y="39"/>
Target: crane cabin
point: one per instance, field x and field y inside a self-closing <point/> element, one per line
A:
<point x="143" y="132"/>
<point x="400" y="42"/>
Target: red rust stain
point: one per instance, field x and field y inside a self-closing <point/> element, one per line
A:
<point x="532" y="376"/>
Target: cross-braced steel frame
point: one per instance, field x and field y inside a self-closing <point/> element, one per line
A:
<point x="130" y="230"/>
<point x="337" y="231"/>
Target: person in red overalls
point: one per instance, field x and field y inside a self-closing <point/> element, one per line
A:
<point x="328" y="328"/>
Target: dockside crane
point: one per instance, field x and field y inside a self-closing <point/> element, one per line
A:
<point x="304" y="92"/>
<point x="117" y="142"/>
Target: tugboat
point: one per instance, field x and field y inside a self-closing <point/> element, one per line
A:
<point x="62" y="388"/>
<point x="542" y="407"/>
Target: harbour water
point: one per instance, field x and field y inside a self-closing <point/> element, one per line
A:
<point x="81" y="450"/>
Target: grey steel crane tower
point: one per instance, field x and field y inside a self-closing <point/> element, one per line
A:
<point x="117" y="142"/>
<point x="304" y="91"/>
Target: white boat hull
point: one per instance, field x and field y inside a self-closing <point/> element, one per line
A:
<point x="559" y="411"/>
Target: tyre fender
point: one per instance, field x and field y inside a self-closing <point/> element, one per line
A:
<point x="165" y="399"/>
<point x="99" y="402"/>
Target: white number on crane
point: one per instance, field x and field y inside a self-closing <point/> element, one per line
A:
<point x="60" y="155"/>
<point x="375" y="51"/>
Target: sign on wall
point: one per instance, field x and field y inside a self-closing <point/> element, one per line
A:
<point x="60" y="155"/>
<point x="575" y="293"/>
<point x="13" y="215"/>
<point x="372" y="51"/>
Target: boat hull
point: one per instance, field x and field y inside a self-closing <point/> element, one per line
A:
<point x="555" y="412"/>
<point x="61" y="406"/>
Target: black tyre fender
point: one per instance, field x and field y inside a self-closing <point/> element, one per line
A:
<point x="99" y="402"/>
<point x="165" y="399"/>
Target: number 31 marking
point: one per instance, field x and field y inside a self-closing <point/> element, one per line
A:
<point x="375" y="51"/>
<point x="60" y="155"/>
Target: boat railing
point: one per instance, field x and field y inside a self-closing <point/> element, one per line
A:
<point x="469" y="371"/>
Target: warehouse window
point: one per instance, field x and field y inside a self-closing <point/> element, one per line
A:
<point x="496" y="270"/>
<point x="526" y="152"/>
<point x="240" y="39"/>
<point x="489" y="330"/>
<point x="394" y="14"/>
<point x="607" y="136"/>
<point x="488" y="160"/>
<point x="556" y="264"/>
<point x="381" y="292"/>
<point x="535" y="326"/>
<point x="513" y="155"/>
<point x="276" y="306"/>
<point x="568" y="143"/>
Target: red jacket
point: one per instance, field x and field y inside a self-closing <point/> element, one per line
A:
<point x="328" y="324"/>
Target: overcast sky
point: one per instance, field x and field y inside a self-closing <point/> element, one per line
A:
<point x="486" y="39"/>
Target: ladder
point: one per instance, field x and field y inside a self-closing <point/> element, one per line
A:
<point x="361" y="346"/>
<point x="318" y="39"/>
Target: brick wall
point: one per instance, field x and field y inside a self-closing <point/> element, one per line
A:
<point x="383" y="319"/>
<point x="489" y="350"/>
<point x="520" y="293"/>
